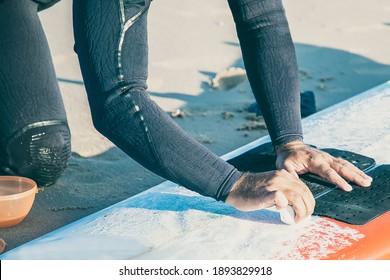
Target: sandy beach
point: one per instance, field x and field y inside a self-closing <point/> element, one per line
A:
<point x="342" y="50"/>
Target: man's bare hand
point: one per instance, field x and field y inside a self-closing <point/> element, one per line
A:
<point x="275" y="188"/>
<point x="299" y="158"/>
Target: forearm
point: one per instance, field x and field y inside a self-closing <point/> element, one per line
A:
<point x="270" y="62"/>
<point x="121" y="107"/>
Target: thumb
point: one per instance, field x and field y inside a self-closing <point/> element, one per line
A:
<point x="288" y="167"/>
<point x="292" y="171"/>
<point x="280" y="200"/>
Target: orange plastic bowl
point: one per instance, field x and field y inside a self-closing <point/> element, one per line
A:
<point x="17" y="196"/>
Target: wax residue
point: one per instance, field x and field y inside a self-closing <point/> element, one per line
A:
<point x="172" y="228"/>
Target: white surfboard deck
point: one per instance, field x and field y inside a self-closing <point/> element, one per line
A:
<point x="171" y="222"/>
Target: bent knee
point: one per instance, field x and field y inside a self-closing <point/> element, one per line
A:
<point x="40" y="152"/>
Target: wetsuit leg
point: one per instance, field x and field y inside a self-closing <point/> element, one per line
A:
<point x="34" y="135"/>
<point x="111" y="43"/>
<point x="270" y="60"/>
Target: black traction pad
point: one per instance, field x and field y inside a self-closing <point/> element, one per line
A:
<point x="357" y="207"/>
<point x="362" y="204"/>
<point x="263" y="158"/>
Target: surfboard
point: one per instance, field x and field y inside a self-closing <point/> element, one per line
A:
<point x="171" y="222"/>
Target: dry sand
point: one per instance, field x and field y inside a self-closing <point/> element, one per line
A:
<point x="342" y="50"/>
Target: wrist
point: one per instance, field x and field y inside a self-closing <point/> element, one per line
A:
<point x="287" y="138"/>
<point x="289" y="146"/>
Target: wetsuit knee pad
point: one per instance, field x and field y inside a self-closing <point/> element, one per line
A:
<point x="40" y="151"/>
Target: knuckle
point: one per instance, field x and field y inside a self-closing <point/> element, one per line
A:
<point x="340" y="169"/>
<point x="313" y="158"/>
<point x="281" y="172"/>
<point x="341" y="161"/>
<point x="328" y="172"/>
<point x="293" y="197"/>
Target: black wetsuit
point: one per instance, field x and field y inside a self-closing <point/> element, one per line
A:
<point x="113" y="55"/>
<point x="34" y="135"/>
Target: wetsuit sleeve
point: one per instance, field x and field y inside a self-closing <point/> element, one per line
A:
<point x="270" y="61"/>
<point x="115" y="75"/>
<point x="44" y="4"/>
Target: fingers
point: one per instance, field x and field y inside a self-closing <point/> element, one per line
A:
<point x="300" y="209"/>
<point x="300" y="158"/>
<point x="333" y="177"/>
<point x="274" y="188"/>
<point x="339" y="171"/>
<point x="302" y="206"/>
<point x="336" y="170"/>
<point x="351" y="173"/>
<point x="303" y="203"/>
<point x="296" y="194"/>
